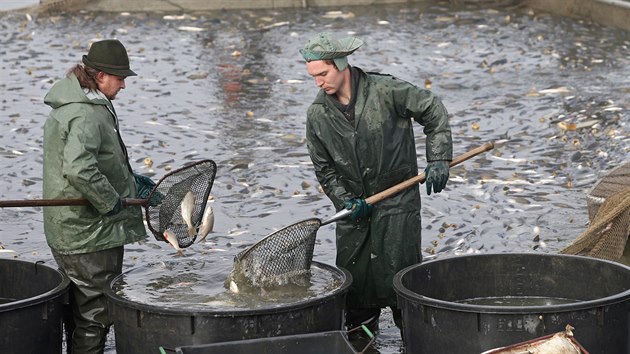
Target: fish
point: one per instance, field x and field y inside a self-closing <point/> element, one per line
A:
<point x="191" y="28"/>
<point x="207" y="223"/>
<point x="188" y="206"/>
<point x="172" y="239"/>
<point x="234" y="287"/>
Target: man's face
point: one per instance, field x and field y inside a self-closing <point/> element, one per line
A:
<point x="326" y="75"/>
<point x="110" y="84"/>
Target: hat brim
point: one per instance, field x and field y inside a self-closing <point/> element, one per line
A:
<point x="109" y="69"/>
<point x="347" y="46"/>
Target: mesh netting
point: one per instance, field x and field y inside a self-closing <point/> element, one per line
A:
<point x="196" y="178"/>
<point x="280" y="258"/>
<point x="614" y="181"/>
<point x="609" y="212"/>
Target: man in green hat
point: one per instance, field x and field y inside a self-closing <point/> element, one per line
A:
<point x="85" y="157"/>
<point x="360" y="139"/>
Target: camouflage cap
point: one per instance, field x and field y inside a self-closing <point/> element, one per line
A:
<point x="325" y="47"/>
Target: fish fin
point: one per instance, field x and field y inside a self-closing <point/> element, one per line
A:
<point x="192" y="232"/>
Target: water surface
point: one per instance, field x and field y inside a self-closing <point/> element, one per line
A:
<point x="231" y="86"/>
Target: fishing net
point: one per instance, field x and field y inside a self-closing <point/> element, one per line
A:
<point x="280" y="258"/>
<point x="197" y="178"/>
<point x="285" y="255"/>
<point x="609" y="213"/>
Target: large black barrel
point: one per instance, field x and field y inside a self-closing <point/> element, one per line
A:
<point x="142" y="328"/>
<point x="454" y="303"/>
<point x="32" y="298"/>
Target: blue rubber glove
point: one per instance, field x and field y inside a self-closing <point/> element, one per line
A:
<point x="145" y="185"/>
<point x="437" y="176"/>
<point x="360" y="208"/>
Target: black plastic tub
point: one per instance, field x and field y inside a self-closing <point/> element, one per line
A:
<point x="32" y="298"/>
<point x="332" y="342"/>
<point x="435" y="298"/>
<point x="143" y="328"/>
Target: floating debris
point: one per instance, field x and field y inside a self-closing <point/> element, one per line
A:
<point x="338" y="14"/>
<point x="277" y="24"/>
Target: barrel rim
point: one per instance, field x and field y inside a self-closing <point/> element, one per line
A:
<point x="407" y="294"/>
<point x="54" y="293"/>
<point x="344" y="287"/>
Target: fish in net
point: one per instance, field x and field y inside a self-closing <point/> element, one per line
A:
<point x="282" y="257"/>
<point x="166" y="214"/>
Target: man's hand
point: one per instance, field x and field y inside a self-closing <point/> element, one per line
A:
<point x="144" y="185"/>
<point x="437" y="176"/>
<point x="117" y="208"/>
<point x="360" y="208"/>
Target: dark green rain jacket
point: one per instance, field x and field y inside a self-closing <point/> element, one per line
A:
<point x="85" y="157"/>
<point x="364" y="158"/>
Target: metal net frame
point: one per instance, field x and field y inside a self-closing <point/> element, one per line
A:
<point x="282" y="257"/>
<point x="197" y="178"/>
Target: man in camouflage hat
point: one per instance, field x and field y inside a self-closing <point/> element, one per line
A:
<point x="360" y="139"/>
<point x="85" y="158"/>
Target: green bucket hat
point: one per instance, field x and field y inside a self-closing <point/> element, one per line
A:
<point x="325" y="47"/>
<point x="109" y="56"/>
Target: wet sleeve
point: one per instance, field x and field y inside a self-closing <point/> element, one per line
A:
<point x="80" y="165"/>
<point x="428" y="110"/>
<point x="324" y="166"/>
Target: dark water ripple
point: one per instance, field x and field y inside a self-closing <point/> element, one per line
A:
<point x="231" y="87"/>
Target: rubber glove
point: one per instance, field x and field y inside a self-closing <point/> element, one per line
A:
<point x="437" y="176"/>
<point x="360" y="208"/>
<point x="117" y="208"/>
<point x="145" y="185"/>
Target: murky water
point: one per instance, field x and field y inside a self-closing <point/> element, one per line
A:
<point x="198" y="285"/>
<point x="231" y="86"/>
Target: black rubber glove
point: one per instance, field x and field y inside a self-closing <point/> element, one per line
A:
<point x="437" y="176"/>
<point x="117" y="208"/>
<point x="360" y="208"/>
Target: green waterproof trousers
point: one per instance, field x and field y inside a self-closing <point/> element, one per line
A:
<point x="88" y="320"/>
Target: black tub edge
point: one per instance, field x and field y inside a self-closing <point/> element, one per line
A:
<point x="407" y="294"/>
<point x="54" y="293"/>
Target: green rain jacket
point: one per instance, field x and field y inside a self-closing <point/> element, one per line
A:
<point x="364" y="158"/>
<point x="85" y="157"/>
